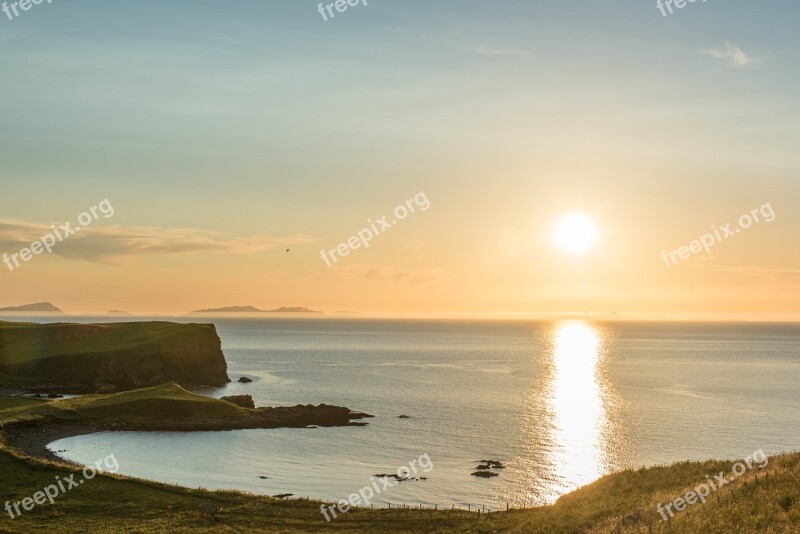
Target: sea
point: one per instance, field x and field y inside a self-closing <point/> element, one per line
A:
<point x="558" y="403"/>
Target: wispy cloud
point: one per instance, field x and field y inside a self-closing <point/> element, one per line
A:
<point x="735" y="56"/>
<point x="499" y="51"/>
<point x="392" y="275"/>
<point x="105" y="244"/>
<point x="766" y="273"/>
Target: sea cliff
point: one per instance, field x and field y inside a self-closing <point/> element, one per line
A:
<point x="85" y="358"/>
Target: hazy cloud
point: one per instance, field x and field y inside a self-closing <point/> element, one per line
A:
<point x="499" y="51"/>
<point x="106" y="243"/>
<point x="392" y="275"/>
<point x="734" y="55"/>
<point x="781" y="275"/>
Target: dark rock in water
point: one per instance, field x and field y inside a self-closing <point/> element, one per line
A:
<point x="37" y="396"/>
<point x="397" y="477"/>
<point x="491" y="464"/>
<point x="485" y="468"/>
<point x="55" y="396"/>
<point x="245" y="401"/>
<point x="245" y="380"/>
<point x="403" y="417"/>
<point x="262" y="477"/>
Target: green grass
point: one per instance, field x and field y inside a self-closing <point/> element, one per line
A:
<point x="143" y="408"/>
<point x="621" y="502"/>
<point x="27" y="342"/>
<point x="81" y="356"/>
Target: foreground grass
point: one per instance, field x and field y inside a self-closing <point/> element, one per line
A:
<point x="621" y="502"/>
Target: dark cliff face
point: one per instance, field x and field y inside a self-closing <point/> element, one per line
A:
<point x="189" y="358"/>
<point x="110" y="357"/>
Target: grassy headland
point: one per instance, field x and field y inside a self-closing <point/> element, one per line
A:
<point x="32" y="423"/>
<point x="85" y="358"/>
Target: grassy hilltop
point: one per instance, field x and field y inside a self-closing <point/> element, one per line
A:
<point x="762" y="501"/>
<point x="110" y="357"/>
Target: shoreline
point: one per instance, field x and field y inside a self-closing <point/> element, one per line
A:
<point x="34" y="439"/>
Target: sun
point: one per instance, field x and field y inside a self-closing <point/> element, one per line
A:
<point x="576" y="234"/>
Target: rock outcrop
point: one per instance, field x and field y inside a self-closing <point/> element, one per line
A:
<point x="245" y="401"/>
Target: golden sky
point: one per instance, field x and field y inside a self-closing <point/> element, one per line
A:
<point x="221" y="142"/>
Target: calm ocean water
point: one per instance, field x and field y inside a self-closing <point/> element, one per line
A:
<point x="559" y="403"/>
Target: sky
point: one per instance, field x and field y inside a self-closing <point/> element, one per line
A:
<point x="224" y="134"/>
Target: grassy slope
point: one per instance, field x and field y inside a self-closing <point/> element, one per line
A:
<point x="158" y="404"/>
<point x="112" y="504"/>
<point x="35" y="354"/>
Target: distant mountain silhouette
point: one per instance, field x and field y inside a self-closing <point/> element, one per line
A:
<point x="117" y="312"/>
<point x="38" y="307"/>
<point x="253" y="309"/>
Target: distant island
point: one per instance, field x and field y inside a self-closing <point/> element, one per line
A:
<point x="253" y="309"/>
<point x="37" y="307"/>
<point x="118" y="312"/>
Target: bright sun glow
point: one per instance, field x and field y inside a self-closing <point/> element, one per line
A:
<point x="576" y="234"/>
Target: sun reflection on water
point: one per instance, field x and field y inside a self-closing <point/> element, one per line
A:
<point x="577" y="406"/>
